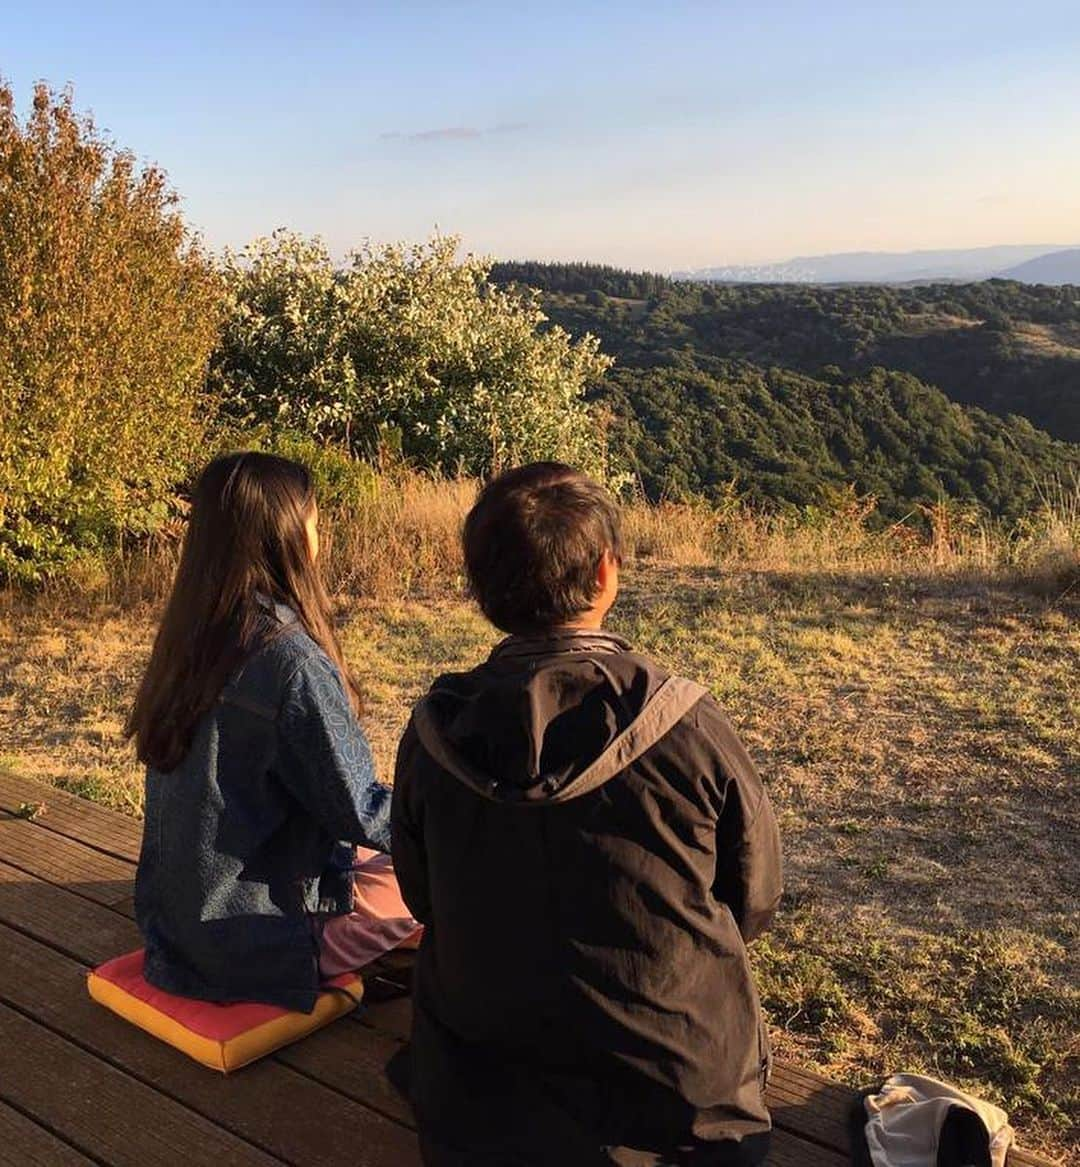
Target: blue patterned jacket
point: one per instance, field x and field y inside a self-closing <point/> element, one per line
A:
<point x="240" y="846"/>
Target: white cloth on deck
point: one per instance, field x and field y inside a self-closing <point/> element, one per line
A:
<point x="906" y="1116"/>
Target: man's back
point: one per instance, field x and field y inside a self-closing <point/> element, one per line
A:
<point x="589" y="847"/>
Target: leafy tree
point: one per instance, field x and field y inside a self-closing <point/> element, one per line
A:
<point x="404" y="345"/>
<point x="108" y="312"/>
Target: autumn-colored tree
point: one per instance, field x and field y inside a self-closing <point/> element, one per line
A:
<point x="109" y="309"/>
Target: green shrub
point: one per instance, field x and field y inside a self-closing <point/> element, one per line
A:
<point x="342" y="482"/>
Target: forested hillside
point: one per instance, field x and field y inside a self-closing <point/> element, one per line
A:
<point x="783" y="390"/>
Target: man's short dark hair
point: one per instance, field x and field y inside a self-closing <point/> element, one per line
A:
<point x="533" y="543"/>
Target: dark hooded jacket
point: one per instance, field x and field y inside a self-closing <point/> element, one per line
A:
<point x="590" y="848"/>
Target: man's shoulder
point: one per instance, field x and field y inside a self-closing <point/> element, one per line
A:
<point x="701" y="716"/>
<point x="458" y="684"/>
<point x="639" y="670"/>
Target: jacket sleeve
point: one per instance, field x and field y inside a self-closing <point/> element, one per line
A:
<point x="407" y="829"/>
<point x="324" y="758"/>
<point x="748" y="860"/>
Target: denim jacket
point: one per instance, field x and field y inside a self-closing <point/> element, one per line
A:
<point x="240" y="842"/>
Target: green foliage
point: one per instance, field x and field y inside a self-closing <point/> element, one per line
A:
<point x="408" y="348"/>
<point x="109" y="315"/>
<point x="784" y="437"/>
<point x="594" y="279"/>
<point x="790" y="392"/>
<point x="342" y="482"/>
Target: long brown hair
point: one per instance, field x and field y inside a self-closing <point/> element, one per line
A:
<point x="246" y="539"/>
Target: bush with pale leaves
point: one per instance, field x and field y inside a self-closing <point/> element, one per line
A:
<point x="404" y="347"/>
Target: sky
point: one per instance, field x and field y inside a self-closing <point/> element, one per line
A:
<point x="651" y="135"/>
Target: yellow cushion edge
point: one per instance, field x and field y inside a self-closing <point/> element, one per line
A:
<point x="248" y="1047"/>
<point x="239" y="1051"/>
<point x="203" y="1049"/>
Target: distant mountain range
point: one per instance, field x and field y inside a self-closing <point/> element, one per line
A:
<point x="1056" y="267"/>
<point x="1029" y="263"/>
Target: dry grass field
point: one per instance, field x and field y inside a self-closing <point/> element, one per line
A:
<point x="918" y="727"/>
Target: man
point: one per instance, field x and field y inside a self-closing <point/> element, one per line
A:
<point x="590" y="848"/>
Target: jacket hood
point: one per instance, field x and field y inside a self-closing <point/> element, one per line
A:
<point x="550" y="718"/>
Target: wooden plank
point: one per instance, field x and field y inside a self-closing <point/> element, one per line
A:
<point x="391" y="1016"/>
<point x="810" y="1105"/>
<point x="90" y="934"/>
<point x="25" y="1144"/>
<point x="103" y="1112"/>
<point x="285" y="1113"/>
<point x="1018" y="1157"/>
<point x="49" y="988"/>
<point x="333" y="1057"/>
<point x="788" y="1150"/>
<point x="355" y="1061"/>
<point x="77" y="818"/>
<point x="67" y="922"/>
<point x="65" y="862"/>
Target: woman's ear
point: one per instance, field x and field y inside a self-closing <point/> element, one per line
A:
<point x="311" y="529"/>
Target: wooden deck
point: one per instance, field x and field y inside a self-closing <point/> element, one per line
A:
<point x="79" y="1086"/>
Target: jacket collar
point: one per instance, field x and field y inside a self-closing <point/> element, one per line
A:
<point x="559" y="642"/>
<point x="282" y="613"/>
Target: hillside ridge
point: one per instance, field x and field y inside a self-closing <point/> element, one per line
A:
<point x="783" y="394"/>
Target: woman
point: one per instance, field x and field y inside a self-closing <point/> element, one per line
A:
<point x="259" y="782"/>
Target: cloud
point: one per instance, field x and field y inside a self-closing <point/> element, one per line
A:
<point x="453" y="133"/>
